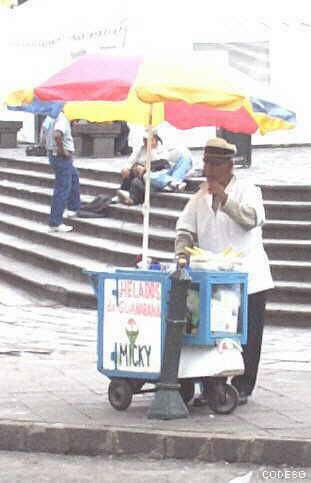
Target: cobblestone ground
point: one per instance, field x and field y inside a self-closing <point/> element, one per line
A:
<point x="49" y="357"/>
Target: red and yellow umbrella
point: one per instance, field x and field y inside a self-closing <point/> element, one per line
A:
<point x="186" y="91"/>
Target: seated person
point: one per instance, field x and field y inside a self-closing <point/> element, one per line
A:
<point x="172" y="179"/>
<point x="132" y="174"/>
<point x="168" y="170"/>
<point x="134" y="194"/>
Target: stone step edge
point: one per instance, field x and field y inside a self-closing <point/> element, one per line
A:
<point x="289" y="308"/>
<point x="42" y="277"/>
<point x="290" y="264"/>
<point x="162" y="211"/>
<point x="138" y="209"/>
<point x="112" y="185"/>
<point x="60" y="293"/>
<point x="58" y="257"/>
<point x="42" y="253"/>
<point x="50" y="177"/>
<point x="57" y="438"/>
<point x="173" y="214"/>
<point x="89" y="241"/>
<point x="63" y="294"/>
<point x="65" y="287"/>
<point x="33" y="225"/>
<point x="125" y="226"/>
<point x="47" y="192"/>
<point x="40" y="162"/>
<point x="83" y="181"/>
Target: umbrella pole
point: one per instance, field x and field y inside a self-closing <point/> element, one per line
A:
<point x="146" y="206"/>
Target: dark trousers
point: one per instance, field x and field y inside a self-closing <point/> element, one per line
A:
<point x="66" y="192"/>
<point x="136" y="187"/>
<point x="251" y="352"/>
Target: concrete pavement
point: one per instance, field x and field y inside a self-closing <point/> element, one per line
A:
<point x="42" y="467"/>
<point x="53" y="399"/>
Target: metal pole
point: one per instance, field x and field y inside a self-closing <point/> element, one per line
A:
<point x="168" y="403"/>
<point x="146" y="206"/>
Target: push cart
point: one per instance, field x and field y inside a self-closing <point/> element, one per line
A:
<point x="132" y="309"/>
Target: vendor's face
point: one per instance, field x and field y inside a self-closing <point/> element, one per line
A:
<point x="219" y="171"/>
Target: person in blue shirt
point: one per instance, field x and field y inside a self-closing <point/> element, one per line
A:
<point x="66" y="194"/>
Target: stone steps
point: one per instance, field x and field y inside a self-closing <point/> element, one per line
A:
<point x="22" y="189"/>
<point x="103" y="251"/>
<point x="288" y="210"/>
<point x="41" y="165"/>
<point x="287" y="229"/>
<point x="293" y="271"/>
<point x="273" y="192"/>
<point x="125" y="223"/>
<point x="290" y="292"/>
<point x="298" y="250"/>
<point x="28" y="251"/>
<point x="103" y="229"/>
<point x="281" y="229"/>
<point x="46" y="285"/>
<point x="294" y="315"/>
<point x="295" y="209"/>
<point x="286" y="192"/>
<point x="46" y="180"/>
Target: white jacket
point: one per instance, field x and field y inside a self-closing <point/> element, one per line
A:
<point x="238" y="224"/>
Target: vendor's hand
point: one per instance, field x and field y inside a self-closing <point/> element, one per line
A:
<point x="217" y="189"/>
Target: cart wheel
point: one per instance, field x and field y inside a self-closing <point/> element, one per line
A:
<point x="186" y="390"/>
<point x="120" y="394"/>
<point x="222" y="398"/>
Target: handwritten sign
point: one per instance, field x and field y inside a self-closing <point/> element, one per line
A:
<point x="132" y="326"/>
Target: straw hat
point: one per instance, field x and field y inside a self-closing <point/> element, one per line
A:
<point x="220" y="148"/>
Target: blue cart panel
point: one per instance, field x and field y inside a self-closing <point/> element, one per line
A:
<point x="131" y="313"/>
<point x="217" y="307"/>
<point x="132" y="309"/>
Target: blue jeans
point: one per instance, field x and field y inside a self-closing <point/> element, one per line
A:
<point x="66" y="189"/>
<point x="177" y="173"/>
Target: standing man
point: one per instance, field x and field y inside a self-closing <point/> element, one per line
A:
<point x="229" y="212"/>
<point x="66" y="193"/>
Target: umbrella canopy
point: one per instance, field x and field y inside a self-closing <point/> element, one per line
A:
<point x="187" y="92"/>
